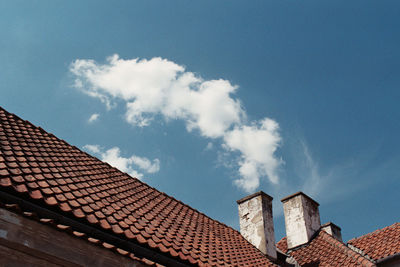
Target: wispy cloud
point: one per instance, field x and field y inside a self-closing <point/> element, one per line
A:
<point x="329" y="182"/>
<point x="113" y="157"/>
<point x="94" y="117"/>
<point x="313" y="183"/>
<point x="161" y="87"/>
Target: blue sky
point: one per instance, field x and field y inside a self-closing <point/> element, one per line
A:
<point x="209" y="101"/>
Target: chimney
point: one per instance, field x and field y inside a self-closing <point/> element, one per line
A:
<point x="256" y="224"/>
<point x="301" y="218"/>
<point x="333" y="230"/>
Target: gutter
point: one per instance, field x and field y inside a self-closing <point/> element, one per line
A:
<point x="130" y="246"/>
<point x="388" y="258"/>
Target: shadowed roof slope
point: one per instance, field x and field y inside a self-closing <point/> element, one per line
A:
<point x="324" y="250"/>
<point x="379" y="244"/>
<point x="39" y="168"/>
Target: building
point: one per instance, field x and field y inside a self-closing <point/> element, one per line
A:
<point x="61" y="206"/>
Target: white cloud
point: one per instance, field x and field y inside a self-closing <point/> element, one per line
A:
<point x="161" y="87"/>
<point x="146" y="164"/>
<point x="113" y="157"/>
<point x="257" y="144"/>
<point x="92" y="148"/>
<point x="94" y="117"/>
<point x="209" y="146"/>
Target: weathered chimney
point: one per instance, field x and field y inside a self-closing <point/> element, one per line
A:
<point x="301" y="218"/>
<point x="333" y="230"/>
<point x="256" y="223"/>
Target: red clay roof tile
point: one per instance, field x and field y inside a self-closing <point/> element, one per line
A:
<point x="324" y="250"/>
<point x="379" y="244"/>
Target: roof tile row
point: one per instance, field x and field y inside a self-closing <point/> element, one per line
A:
<point x="381" y="243"/>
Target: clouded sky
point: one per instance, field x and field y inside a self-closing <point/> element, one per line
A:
<point x="210" y="101"/>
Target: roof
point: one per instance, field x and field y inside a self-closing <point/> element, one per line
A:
<point x="282" y="245"/>
<point x="324" y="250"/>
<point x="379" y="244"/>
<point x="48" y="173"/>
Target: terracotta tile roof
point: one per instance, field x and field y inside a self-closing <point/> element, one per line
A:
<point x="40" y="168"/>
<point x="324" y="250"/>
<point x="282" y="245"/>
<point x="380" y="243"/>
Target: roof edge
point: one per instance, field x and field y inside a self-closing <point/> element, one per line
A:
<point x="138" y="249"/>
<point x="389" y="258"/>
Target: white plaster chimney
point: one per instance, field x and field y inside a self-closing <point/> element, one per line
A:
<point x="256" y="223"/>
<point x="301" y="218"/>
<point x="333" y="230"/>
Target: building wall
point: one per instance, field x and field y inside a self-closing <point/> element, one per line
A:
<point x="25" y="242"/>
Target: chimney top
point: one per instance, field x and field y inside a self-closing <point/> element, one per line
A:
<point x="329" y="224"/>
<point x="301" y="218"/>
<point x="259" y="193"/>
<point x="296" y="194"/>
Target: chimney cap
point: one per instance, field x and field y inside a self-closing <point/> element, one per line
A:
<point x="330" y="224"/>
<point x="259" y="193"/>
<point x="296" y="194"/>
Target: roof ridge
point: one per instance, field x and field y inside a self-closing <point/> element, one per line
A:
<point x="331" y="241"/>
<point x="36" y="127"/>
<point x="340" y="245"/>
